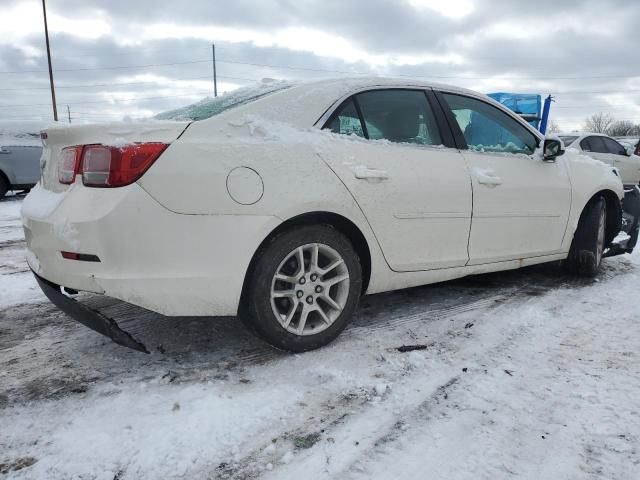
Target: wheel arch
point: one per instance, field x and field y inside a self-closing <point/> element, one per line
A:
<point x="337" y="221"/>
<point x="5" y="177"/>
<point x="614" y="212"/>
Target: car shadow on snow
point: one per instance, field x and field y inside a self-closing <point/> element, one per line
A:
<point x="49" y="355"/>
<point x="209" y="339"/>
<point x="13" y="197"/>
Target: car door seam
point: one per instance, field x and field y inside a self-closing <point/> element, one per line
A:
<point x="366" y="219"/>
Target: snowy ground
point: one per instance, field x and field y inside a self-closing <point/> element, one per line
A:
<point x="528" y="374"/>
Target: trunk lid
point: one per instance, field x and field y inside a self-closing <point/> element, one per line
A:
<point x="115" y="134"/>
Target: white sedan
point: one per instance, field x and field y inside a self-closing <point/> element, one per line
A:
<point x="606" y="149"/>
<point x="285" y="203"/>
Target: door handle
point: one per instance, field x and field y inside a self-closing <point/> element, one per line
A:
<point x="491" y="182"/>
<point x="486" y="177"/>
<point x="362" y="172"/>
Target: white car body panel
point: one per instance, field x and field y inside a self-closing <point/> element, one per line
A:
<point x="525" y="199"/>
<point x="405" y="192"/>
<point x="628" y="166"/>
<point x="180" y="240"/>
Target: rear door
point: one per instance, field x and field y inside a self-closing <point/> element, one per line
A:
<point x="520" y="203"/>
<point x="415" y="192"/>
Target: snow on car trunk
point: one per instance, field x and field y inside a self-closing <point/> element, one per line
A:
<point x="61" y="136"/>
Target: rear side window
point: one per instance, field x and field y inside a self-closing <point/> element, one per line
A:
<point x="397" y="115"/>
<point x="488" y="129"/>
<point x="614" y="147"/>
<point x="400" y="116"/>
<point x="346" y="121"/>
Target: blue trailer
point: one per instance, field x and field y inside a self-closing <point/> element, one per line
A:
<point x="529" y="106"/>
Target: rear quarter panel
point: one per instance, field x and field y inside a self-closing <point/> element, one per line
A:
<point x="191" y="176"/>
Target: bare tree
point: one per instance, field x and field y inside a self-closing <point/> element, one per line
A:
<point x="598" y="123"/>
<point x="622" y="128"/>
<point x="554" y="127"/>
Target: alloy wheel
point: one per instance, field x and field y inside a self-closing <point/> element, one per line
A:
<point x="310" y="289"/>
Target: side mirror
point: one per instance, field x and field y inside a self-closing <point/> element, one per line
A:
<point x="629" y="151"/>
<point x="553" y="148"/>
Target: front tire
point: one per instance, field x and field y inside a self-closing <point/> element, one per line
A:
<point x="4" y="187"/>
<point x="585" y="256"/>
<point x="305" y="286"/>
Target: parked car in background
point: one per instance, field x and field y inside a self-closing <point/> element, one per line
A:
<point x="608" y="150"/>
<point x="286" y="202"/>
<point x="19" y="168"/>
<point x="20" y="152"/>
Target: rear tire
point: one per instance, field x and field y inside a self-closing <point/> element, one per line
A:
<point x="304" y="288"/>
<point x="585" y="256"/>
<point x="4" y="186"/>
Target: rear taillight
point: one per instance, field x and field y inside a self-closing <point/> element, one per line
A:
<point x="104" y="166"/>
<point x="68" y="166"/>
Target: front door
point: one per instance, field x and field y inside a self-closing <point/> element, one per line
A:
<point x="521" y="203"/>
<point x="415" y="193"/>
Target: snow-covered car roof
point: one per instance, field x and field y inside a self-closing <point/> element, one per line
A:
<point x="297" y="103"/>
<point x="581" y="134"/>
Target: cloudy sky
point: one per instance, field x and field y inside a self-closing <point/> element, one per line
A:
<point x="138" y="57"/>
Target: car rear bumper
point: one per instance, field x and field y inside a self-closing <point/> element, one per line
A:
<point x="627" y="240"/>
<point x="88" y="317"/>
<point x="169" y="263"/>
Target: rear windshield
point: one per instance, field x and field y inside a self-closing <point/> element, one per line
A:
<point x="568" y="140"/>
<point x="209" y="107"/>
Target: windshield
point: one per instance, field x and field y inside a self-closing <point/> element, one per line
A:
<point x="209" y="106"/>
<point x="568" y="140"/>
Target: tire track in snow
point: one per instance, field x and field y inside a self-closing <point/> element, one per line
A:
<point x="389" y="427"/>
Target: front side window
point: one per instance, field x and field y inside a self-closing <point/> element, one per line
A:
<point x="346" y="120"/>
<point x="400" y="116"/>
<point x="488" y="129"/>
<point x="594" y="145"/>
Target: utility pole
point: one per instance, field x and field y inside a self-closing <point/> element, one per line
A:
<point x="53" y="90"/>
<point x="69" y="113"/>
<point x="215" y="75"/>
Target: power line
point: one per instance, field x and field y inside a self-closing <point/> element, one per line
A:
<point x="116" y="67"/>
<point x="599" y="106"/>
<point x="291" y="67"/>
<point x="90" y="85"/>
<point x="117" y="84"/>
<point x="193" y="94"/>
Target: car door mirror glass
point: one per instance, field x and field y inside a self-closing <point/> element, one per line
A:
<point x="553" y="149"/>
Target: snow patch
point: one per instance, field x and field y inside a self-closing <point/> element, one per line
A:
<point x="47" y="201"/>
